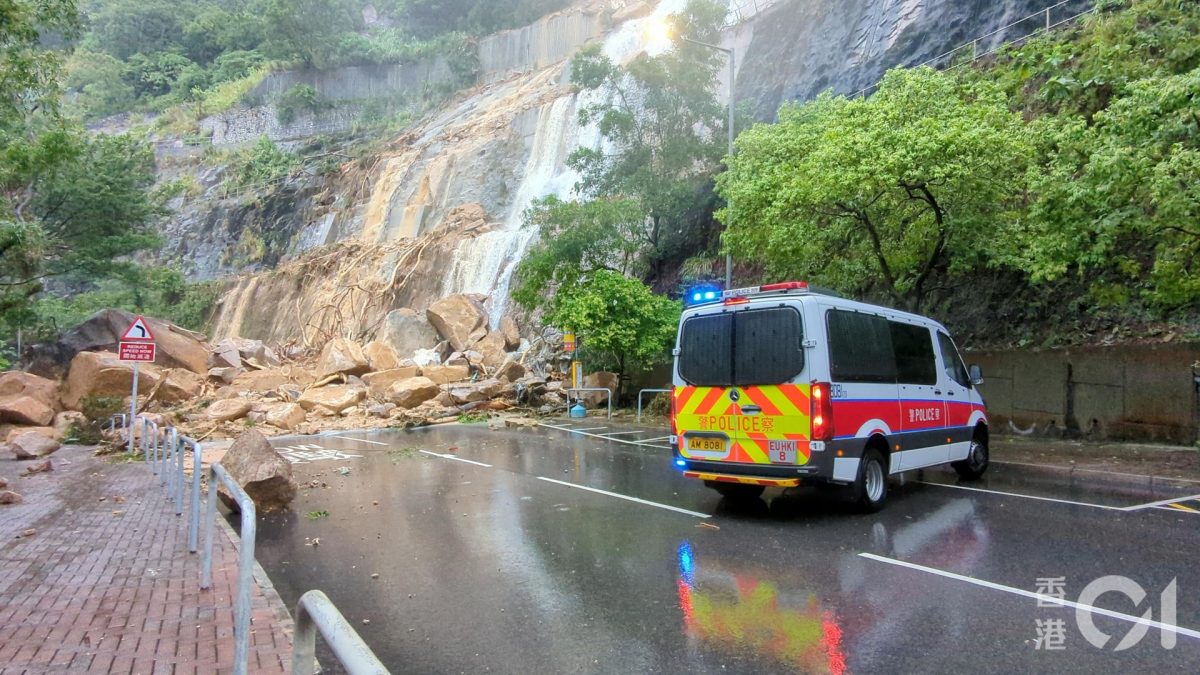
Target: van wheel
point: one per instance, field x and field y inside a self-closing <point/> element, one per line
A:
<point x="976" y="463"/>
<point x="736" y="490"/>
<point x="871" y="489"/>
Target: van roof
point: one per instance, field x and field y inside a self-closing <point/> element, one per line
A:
<point x="806" y="294"/>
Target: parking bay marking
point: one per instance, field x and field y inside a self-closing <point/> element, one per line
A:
<point x="1179" y="630"/>
<point x="645" y="444"/>
<point x="626" y="497"/>
<point x="457" y="459"/>
<point x="360" y="440"/>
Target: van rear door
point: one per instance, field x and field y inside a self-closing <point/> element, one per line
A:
<point x="739" y="401"/>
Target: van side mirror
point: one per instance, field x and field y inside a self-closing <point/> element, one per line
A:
<point x="976" y="375"/>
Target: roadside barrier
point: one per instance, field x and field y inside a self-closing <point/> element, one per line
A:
<point x="164" y="450"/>
<point x="608" y="391"/>
<point x="648" y="391"/>
<point x="315" y="611"/>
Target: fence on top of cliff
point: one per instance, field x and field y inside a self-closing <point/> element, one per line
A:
<point x="741" y="11"/>
<point x="1058" y="15"/>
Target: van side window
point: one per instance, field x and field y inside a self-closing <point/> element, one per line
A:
<point x="954" y="365"/>
<point x="913" y="345"/>
<point x="860" y="347"/>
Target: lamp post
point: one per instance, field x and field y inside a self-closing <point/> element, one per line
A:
<point x="729" y="202"/>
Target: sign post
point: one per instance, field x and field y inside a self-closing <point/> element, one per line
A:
<point x="569" y="346"/>
<point x="137" y="346"/>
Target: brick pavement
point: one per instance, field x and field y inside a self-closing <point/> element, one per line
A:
<point x="107" y="586"/>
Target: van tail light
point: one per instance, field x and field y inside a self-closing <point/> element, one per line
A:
<point x="674" y="411"/>
<point x="822" y="412"/>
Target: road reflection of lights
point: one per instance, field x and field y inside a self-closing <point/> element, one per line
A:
<point x="687" y="563"/>
<point x="743" y="612"/>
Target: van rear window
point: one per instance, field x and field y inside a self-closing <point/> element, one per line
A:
<point x="750" y="347"/>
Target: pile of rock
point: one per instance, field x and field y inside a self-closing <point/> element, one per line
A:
<point x="32" y="423"/>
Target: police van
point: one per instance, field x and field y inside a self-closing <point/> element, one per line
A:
<point x="777" y="385"/>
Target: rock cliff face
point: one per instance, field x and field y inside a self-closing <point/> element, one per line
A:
<point x="504" y="143"/>
<point x="798" y="48"/>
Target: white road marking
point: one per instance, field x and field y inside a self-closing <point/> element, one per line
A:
<point x="1161" y="502"/>
<point x="457" y="459"/>
<point x="1165" y="479"/>
<point x="655" y="440"/>
<point x="1016" y="494"/>
<point x="1036" y="596"/>
<point x="360" y="440"/>
<point x="626" y="497"/>
<point x="644" y="444"/>
<point x="624" y="433"/>
<point x="580" y="431"/>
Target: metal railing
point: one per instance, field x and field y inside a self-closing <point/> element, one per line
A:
<point x="241" y="605"/>
<point x="577" y="398"/>
<point x="316" y="612"/>
<point x="645" y="391"/>
<point x="1045" y="25"/>
<point x="165" y="451"/>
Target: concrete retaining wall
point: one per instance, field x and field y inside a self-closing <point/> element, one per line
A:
<point x="1136" y="392"/>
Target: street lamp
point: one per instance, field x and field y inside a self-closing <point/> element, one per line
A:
<point x="660" y="33"/>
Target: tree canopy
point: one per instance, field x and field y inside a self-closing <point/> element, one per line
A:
<point x="881" y="195"/>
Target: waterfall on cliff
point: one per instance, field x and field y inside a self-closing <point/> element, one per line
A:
<point x="486" y="264"/>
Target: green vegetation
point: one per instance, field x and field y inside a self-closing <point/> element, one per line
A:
<point x="473" y="418"/>
<point x="156" y="54"/>
<point x="1056" y="185"/>
<point x="645" y="203"/>
<point x="75" y="206"/>
<point x="317" y="515"/>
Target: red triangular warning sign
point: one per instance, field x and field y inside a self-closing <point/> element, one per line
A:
<point x="138" y="331"/>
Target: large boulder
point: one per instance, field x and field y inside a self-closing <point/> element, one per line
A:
<point x="286" y="416"/>
<point x="267" y="380"/>
<point x="458" y="319"/>
<point x="380" y="381"/>
<point x="512" y="336"/>
<point x="25" y="410"/>
<point x="177" y="347"/>
<point x="228" y="410"/>
<point x="510" y="371"/>
<point x="601" y="380"/>
<point x="103" y="374"/>
<point x="381" y="355"/>
<point x="475" y="392"/>
<point x="15" y="383"/>
<point x="32" y="446"/>
<point x="48" y="432"/>
<point x="263" y="473"/>
<point x="342" y="356"/>
<point x="331" y="400"/>
<point x="491" y="347"/>
<point x="407" y="330"/>
<point x="412" y="392"/>
<point x="446" y="374"/>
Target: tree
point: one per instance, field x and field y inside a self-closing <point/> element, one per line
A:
<point x="71" y="204"/>
<point x="884" y="196"/>
<point x="664" y="134"/>
<point x="1118" y="201"/>
<point x="576" y="239"/>
<point x="127" y="27"/>
<point x="623" y="325"/>
<point x="307" y="29"/>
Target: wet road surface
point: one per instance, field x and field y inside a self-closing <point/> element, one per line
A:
<point x="549" y="551"/>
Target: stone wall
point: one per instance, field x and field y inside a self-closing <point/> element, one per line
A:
<point x="1134" y="392"/>
<point x="357" y="83"/>
<point x="538" y="45"/>
<point x="246" y="125"/>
